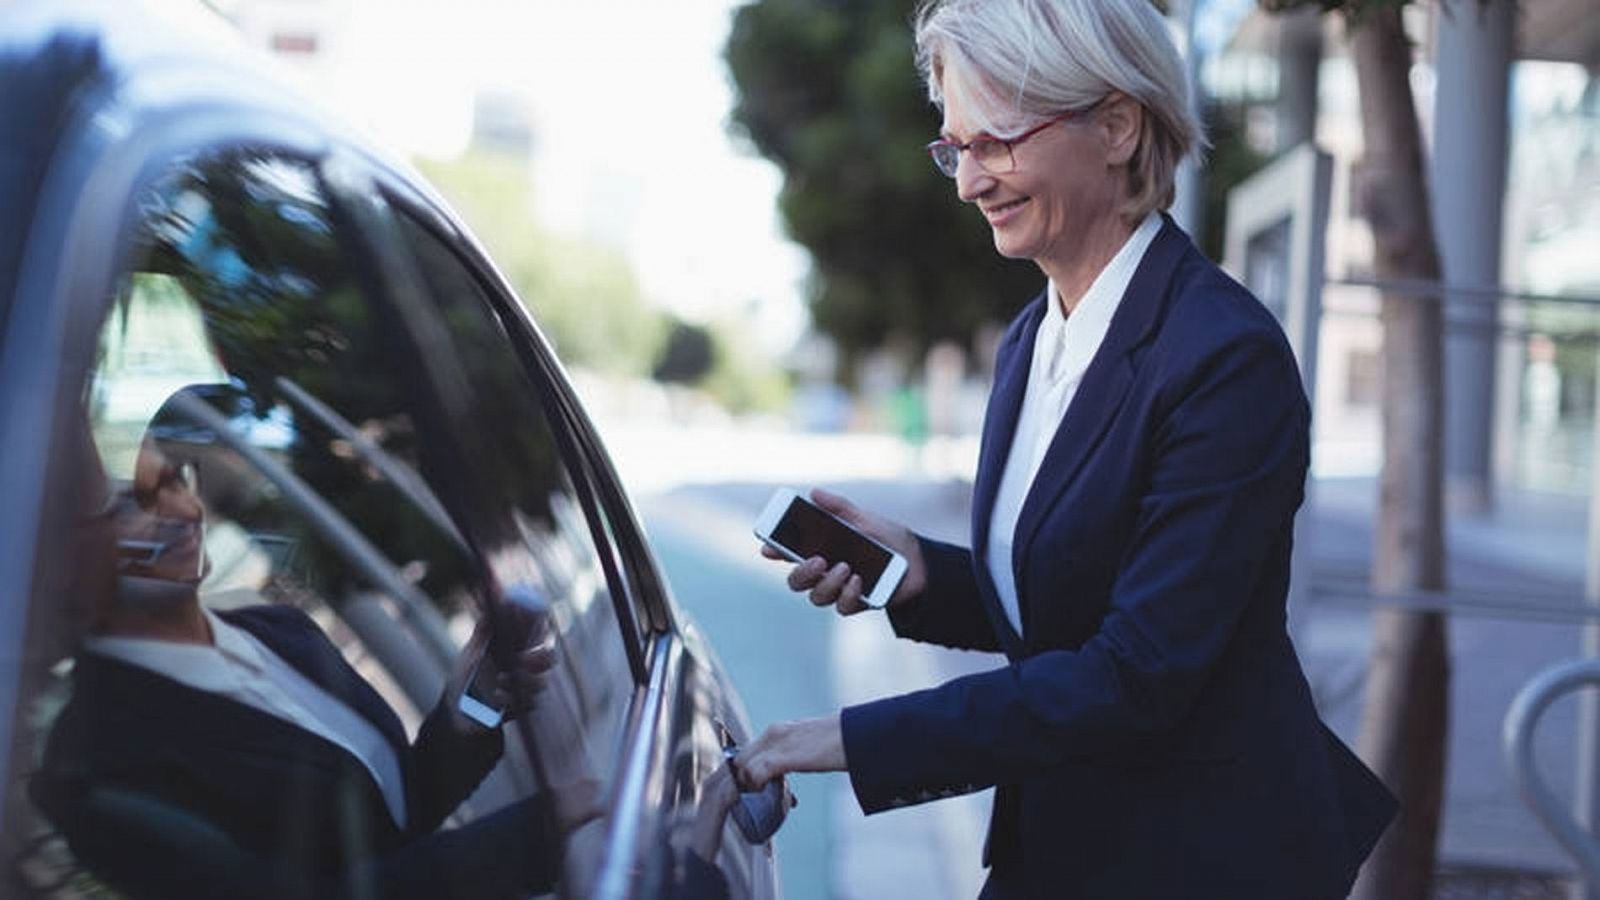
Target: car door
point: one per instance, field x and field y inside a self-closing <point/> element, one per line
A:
<point x="667" y="741"/>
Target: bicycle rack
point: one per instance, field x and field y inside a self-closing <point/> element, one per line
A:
<point x="1517" y="738"/>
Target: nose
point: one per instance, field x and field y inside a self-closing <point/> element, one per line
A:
<point x="972" y="182"/>
<point x="178" y="501"/>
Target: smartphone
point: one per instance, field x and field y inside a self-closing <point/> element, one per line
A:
<point x="477" y="699"/>
<point x="799" y="529"/>
<point x="522" y="618"/>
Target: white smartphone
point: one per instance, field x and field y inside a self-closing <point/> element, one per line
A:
<point x="477" y="699"/>
<point x="799" y="529"/>
<point x="521" y="620"/>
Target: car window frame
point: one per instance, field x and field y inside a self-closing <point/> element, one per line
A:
<point x="637" y="585"/>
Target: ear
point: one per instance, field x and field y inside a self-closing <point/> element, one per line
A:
<point x="1121" y="122"/>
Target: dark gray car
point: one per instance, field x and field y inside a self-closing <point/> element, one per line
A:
<point x="210" y="292"/>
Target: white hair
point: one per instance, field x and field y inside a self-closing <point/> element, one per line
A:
<point x="1024" y="61"/>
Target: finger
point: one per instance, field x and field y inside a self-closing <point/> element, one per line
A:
<point x="753" y="766"/>
<point x="769" y="552"/>
<point x="522" y="684"/>
<point x="827" y="590"/>
<point x="850" y="602"/>
<point x="805" y="576"/>
<point x="753" y="770"/>
<point x="837" y="504"/>
<point x="538" y="659"/>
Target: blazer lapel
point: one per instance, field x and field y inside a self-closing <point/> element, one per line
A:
<point x="999" y="428"/>
<point x="306" y="649"/>
<point x="1105" y="384"/>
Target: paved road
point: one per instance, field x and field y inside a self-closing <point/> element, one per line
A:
<point x="792" y="661"/>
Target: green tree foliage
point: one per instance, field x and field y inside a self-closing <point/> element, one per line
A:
<point x="688" y="355"/>
<point x="829" y="92"/>
<point x="583" y="295"/>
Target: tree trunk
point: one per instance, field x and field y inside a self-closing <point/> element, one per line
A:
<point x="1405" y="722"/>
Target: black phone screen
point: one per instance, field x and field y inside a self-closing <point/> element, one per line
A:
<point x="808" y="531"/>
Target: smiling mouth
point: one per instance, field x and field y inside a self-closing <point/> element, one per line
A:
<point x="1001" y="210"/>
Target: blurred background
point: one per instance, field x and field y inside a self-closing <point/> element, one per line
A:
<point x="722" y="216"/>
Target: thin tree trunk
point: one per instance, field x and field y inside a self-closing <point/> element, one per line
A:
<point x="1405" y="722"/>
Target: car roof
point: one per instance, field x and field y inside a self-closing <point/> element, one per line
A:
<point x="131" y="61"/>
<point x="91" y="85"/>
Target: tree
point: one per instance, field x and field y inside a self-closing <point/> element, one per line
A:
<point x="688" y="355"/>
<point x="829" y="92"/>
<point x="1405" y="720"/>
<point x="583" y="294"/>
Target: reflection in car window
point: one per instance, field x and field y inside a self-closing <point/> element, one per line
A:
<point x="535" y="474"/>
<point x="259" y="707"/>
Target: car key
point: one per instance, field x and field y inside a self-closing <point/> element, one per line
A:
<point x="759" y="813"/>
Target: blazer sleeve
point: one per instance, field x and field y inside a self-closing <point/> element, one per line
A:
<point x="1226" y="471"/>
<point x="446" y="767"/>
<point x="949" y="610"/>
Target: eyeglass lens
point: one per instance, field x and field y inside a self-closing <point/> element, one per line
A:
<point x="992" y="154"/>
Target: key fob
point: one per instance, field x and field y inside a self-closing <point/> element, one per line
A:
<point x="759" y="814"/>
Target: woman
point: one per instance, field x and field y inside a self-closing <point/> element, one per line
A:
<point x="1143" y="456"/>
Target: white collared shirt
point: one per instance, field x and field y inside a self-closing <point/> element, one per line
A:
<point x="241" y="668"/>
<point x="1062" y="350"/>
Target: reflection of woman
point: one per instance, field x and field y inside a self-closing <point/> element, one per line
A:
<point x="237" y="754"/>
<point x="1144" y="453"/>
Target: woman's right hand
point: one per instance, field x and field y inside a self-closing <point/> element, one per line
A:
<point x="834" y="584"/>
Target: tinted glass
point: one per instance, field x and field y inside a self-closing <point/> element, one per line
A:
<point x="527" y="469"/>
<point x="264" y="701"/>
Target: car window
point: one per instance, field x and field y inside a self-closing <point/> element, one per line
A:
<point x="533" y="462"/>
<point x="260" y="706"/>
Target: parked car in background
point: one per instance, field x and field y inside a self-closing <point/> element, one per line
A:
<point x="192" y="257"/>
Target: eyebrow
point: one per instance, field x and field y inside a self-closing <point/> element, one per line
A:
<point x="947" y="135"/>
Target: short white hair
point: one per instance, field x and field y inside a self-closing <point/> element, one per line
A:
<point x="1025" y="61"/>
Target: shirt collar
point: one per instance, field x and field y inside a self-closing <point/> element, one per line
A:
<point x="208" y="667"/>
<point x="234" y="643"/>
<point x="1081" y="333"/>
<point x="1108" y="287"/>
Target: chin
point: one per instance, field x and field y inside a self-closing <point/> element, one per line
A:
<point x="1012" y="248"/>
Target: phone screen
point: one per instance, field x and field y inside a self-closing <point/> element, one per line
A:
<point x="809" y="531"/>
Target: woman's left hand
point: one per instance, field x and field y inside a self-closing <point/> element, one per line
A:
<point x="807" y="745"/>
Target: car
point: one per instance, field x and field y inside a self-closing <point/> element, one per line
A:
<point x="200" y="267"/>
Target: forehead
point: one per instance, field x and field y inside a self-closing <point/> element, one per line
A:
<point x="972" y="105"/>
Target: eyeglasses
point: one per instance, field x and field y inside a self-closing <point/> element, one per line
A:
<point x="993" y="155"/>
<point x="184" y="476"/>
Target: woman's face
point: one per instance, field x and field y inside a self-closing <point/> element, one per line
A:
<point x="1063" y="187"/>
<point x="160" y="522"/>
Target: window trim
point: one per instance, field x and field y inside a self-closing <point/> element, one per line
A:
<point x="637" y="587"/>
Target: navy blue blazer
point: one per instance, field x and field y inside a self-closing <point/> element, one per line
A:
<point x="1153" y="735"/>
<point x="165" y="791"/>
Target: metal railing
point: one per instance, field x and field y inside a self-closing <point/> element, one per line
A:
<point x="1277" y="222"/>
<point x="1517" y="737"/>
